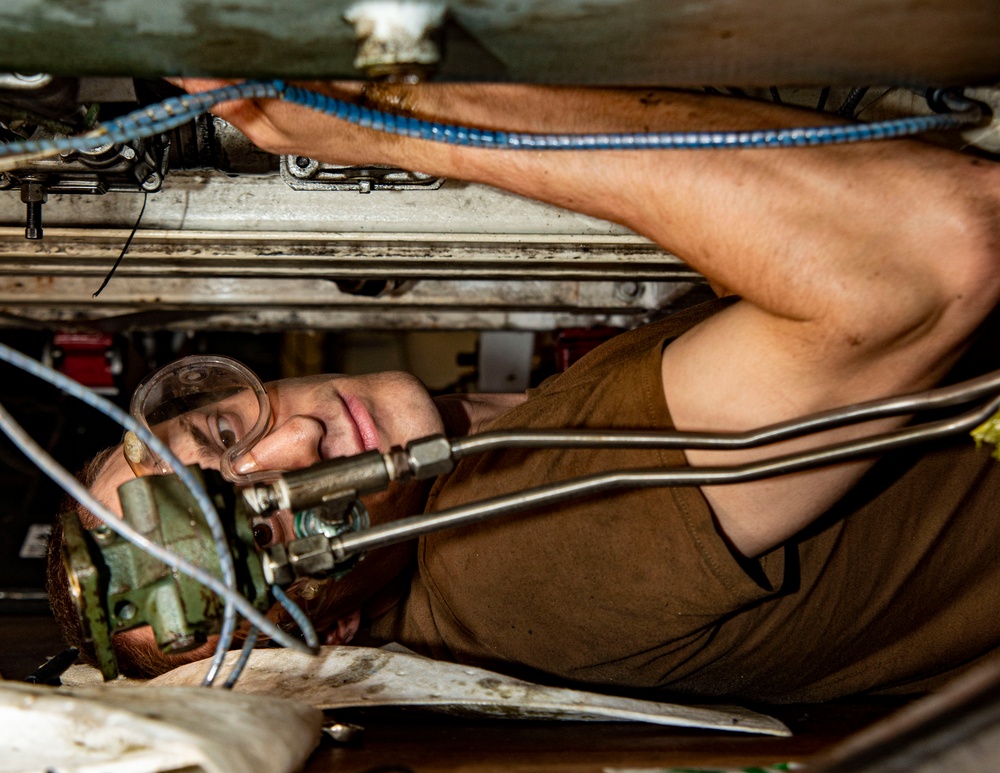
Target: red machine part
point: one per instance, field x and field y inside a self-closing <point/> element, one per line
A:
<point x="89" y="358"/>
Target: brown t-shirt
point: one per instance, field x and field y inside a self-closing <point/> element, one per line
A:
<point x="893" y="590"/>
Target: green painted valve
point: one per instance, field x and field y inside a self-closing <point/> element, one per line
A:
<point x="116" y="586"/>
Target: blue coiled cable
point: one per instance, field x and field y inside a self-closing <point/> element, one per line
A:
<point x="166" y="115"/>
<point x="759" y="138"/>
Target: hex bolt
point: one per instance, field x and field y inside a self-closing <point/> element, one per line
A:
<point x="152" y="182"/>
<point x="33" y="195"/>
<point x="277" y="567"/>
<point x="310" y="556"/>
<point x="301" y="167"/>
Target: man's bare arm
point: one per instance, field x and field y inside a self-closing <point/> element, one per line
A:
<point x="863" y="269"/>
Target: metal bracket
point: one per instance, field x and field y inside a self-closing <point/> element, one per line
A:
<point x="307" y="174"/>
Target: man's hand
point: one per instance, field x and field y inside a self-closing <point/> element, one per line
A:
<point x="283" y="128"/>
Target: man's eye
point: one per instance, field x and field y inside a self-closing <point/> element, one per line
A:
<point x="226" y="432"/>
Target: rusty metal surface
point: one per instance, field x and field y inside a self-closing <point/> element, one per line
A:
<point x="242" y="279"/>
<point x="676" y="42"/>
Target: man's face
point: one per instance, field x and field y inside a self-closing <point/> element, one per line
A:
<point x="314" y="418"/>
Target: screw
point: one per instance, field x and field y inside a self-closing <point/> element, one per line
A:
<point x="33" y="224"/>
<point x="152" y="182"/>
<point x="33" y="195"/>
<point x="628" y="291"/>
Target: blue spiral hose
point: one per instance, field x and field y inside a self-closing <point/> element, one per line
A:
<point x="761" y="138"/>
<point x="166" y="115"/>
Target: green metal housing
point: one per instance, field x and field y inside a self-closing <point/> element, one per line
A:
<point x="117" y="586"/>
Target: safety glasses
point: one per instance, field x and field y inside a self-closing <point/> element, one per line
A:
<point x="212" y="407"/>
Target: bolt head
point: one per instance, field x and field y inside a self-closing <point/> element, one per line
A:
<point x="152" y="182"/>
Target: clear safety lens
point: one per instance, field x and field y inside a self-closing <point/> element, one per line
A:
<point x="210" y="410"/>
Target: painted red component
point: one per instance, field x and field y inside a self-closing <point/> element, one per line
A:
<point x="85" y="357"/>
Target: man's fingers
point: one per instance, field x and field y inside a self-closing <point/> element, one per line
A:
<point x="245" y="114"/>
<point x="195" y="85"/>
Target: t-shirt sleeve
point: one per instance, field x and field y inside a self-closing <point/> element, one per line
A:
<point x="621" y="587"/>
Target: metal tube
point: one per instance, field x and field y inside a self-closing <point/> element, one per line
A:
<point x="408" y="528"/>
<point x="932" y="399"/>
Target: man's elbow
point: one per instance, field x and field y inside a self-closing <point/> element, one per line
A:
<point x="941" y="276"/>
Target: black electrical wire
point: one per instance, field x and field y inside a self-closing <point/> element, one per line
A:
<point x="128" y="243"/>
<point x="824" y="95"/>
<point x="850" y="105"/>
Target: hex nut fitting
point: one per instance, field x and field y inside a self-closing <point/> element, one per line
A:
<point x="430" y="457"/>
<point x="310" y="556"/>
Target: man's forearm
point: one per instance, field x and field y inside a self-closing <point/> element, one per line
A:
<point x="864" y="269"/>
<point x="818" y="233"/>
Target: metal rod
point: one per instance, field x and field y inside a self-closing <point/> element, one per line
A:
<point x="933" y="399"/>
<point x="408" y="528"/>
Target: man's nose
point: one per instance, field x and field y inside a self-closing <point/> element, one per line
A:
<point x="291" y="445"/>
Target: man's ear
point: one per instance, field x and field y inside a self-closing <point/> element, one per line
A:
<point x="346" y="628"/>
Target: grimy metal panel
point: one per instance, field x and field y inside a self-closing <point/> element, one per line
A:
<point x="669" y="42"/>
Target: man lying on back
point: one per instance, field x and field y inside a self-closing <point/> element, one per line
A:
<point x="857" y="272"/>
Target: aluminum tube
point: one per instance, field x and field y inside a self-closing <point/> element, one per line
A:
<point x="408" y="528"/>
<point x="943" y="397"/>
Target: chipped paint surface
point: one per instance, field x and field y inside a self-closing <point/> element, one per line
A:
<point x="672" y="42"/>
<point x="351" y="677"/>
<point x="142" y="730"/>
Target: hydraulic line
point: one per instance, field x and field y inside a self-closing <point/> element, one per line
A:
<point x="931" y="399"/>
<point x="347" y="545"/>
<point x="171" y="113"/>
<point x="300" y="617"/>
<point x="245" y="652"/>
<point x="763" y="138"/>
